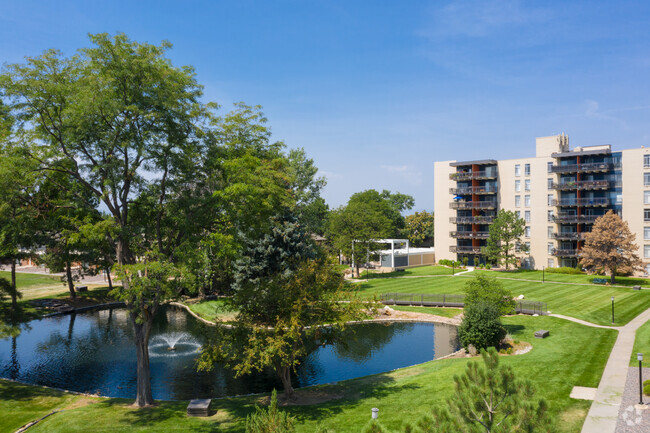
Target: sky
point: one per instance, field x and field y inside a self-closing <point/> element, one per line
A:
<point x="377" y="91"/>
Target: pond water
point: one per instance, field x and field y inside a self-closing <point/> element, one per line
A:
<point x="93" y="352"/>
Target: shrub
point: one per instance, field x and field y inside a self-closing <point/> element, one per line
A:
<point x="646" y="387"/>
<point x="487" y="266"/>
<point x="481" y="326"/>
<point x="564" y="270"/>
<point x="483" y="289"/>
<point x="270" y="420"/>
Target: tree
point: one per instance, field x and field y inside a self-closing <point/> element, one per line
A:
<point x="306" y="188"/>
<point x="487" y="290"/>
<point x="490" y="399"/>
<point x="391" y="205"/>
<point x="505" y="236"/>
<point x="610" y="246"/>
<point x="419" y="228"/>
<point x="270" y="420"/>
<point x="481" y="326"/>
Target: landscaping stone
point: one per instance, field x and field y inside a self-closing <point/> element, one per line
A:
<point x="636" y="288"/>
<point x="543" y="333"/>
<point x="82" y="288"/>
<point x="199" y="407"/>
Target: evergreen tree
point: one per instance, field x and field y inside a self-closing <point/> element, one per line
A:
<point x="504" y="237"/>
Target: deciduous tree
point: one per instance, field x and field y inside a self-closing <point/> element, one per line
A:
<point x="610" y="246"/>
<point x="419" y="228"/>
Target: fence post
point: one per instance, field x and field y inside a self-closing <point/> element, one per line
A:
<point x="444" y="304"/>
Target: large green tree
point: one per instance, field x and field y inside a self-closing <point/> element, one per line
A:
<point x="610" y="246"/>
<point x="504" y="238"/>
<point x="419" y="228"/>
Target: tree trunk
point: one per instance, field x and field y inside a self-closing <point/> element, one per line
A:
<point x="14" y="291"/>
<point x="613" y="278"/>
<point x="144" y="397"/>
<point x="108" y="275"/>
<point x="68" y="276"/>
<point x="285" y="376"/>
<point x="123" y="252"/>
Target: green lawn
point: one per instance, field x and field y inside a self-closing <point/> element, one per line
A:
<point x="444" y="312"/>
<point x="35" y="285"/>
<point x="418" y="271"/>
<point x="589" y="302"/>
<point x="563" y="278"/>
<point x="572" y="355"/>
<point x="642" y="345"/>
<point x="213" y="310"/>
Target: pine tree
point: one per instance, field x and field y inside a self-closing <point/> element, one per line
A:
<point x="610" y="246"/>
<point x="505" y="233"/>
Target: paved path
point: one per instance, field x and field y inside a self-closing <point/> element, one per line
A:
<point x="583" y="322"/>
<point x="603" y="414"/>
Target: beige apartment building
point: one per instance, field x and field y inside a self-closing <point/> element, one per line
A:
<point x="559" y="192"/>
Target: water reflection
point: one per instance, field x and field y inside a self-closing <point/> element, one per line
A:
<point x="94" y="352"/>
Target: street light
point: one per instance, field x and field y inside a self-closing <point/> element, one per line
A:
<point x="639" y="356"/>
<point x="612" y="310"/>
<point x="542" y="274"/>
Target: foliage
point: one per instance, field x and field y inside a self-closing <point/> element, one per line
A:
<point x="454" y="263"/>
<point x="306" y="188"/>
<point x="610" y="245"/>
<point x="505" y="233"/>
<point x="564" y="270"/>
<point x="490" y="399"/>
<point x="270" y="420"/>
<point x="419" y="228"/>
<point x="487" y="290"/>
<point x="646" y="387"/>
<point x="481" y="326"/>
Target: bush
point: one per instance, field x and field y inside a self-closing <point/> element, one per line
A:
<point x="564" y="270"/>
<point x="270" y="420"/>
<point x="483" y="289"/>
<point x="487" y="266"/>
<point x="481" y="326"/>
<point x="646" y="387"/>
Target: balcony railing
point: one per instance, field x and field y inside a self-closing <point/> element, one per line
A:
<point x="473" y="190"/>
<point x="469" y="235"/>
<point x="473" y="205"/>
<point x="468" y="175"/>
<point x="600" y="201"/>
<point x="568" y="235"/>
<point x="585" y="168"/>
<point x="466" y="250"/>
<point x="583" y="185"/>
<point x="564" y="252"/>
<point x="472" y="220"/>
<point x="570" y="219"/>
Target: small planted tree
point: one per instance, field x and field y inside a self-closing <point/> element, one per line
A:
<point x="270" y="420"/>
<point x="610" y="246"/>
<point x="481" y="326"/>
<point x="505" y="235"/>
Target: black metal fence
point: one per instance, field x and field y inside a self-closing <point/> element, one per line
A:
<point x="453" y="300"/>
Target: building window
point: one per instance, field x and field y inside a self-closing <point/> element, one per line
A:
<point x="518" y="214"/>
<point x="551" y="263"/>
<point x="527" y="184"/>
<point x="517" y="185"/>
<point x="646" y="251"/>
<point x="549" y="232"/>
<point x="646" y="161"/>
<point x="527" y="246"/>
<point x="527" y="170"/>
<point x="527" y="200"/>
<point x="517" y="247"/>
<point x="549" y="247"/>
<point x="646" y="197"/>
<point x="549" y="167"/>
<point x="549" y="215"/>
<point x="646" y="215"/>
<point x="517" y="170"/>
<point x="646" y="233"/>
<point x="527" y="216"/>
<point x="549" y="183"/>
<point x="517" y="200"/>
<point x="647" y="269"/>
<point x="549" y="199"/>
<point x="646" y="179"/>
<point x="527" y="232"/>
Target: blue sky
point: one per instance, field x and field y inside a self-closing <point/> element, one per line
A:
<point x="376" y="91"/>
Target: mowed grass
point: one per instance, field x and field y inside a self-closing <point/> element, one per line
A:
<point x="35" y="285"/>
<point x="411" y="272"/>
<point x="588" y="302"/>
<point x="563" y="278"/>
<point x="444" y="312"/>
<point x="572" y="355"/>
<point x="214" y="310"/>
<point x="642" y="345"/>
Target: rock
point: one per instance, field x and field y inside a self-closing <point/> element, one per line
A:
<point x="543" y="333"/>
<point x="387" y="311"/>
<point x="472" y="350"/>
<point x="520" y="297"/>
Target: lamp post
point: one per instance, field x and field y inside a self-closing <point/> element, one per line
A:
<point x="453" y="267"/>
<point x="612" y="310"/>
<point x="639" y="356"/>
<point x="542" y="274"/>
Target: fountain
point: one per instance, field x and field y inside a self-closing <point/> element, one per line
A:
<point x="180" y="343"/>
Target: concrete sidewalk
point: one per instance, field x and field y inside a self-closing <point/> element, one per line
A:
<point x="603" y="414"/>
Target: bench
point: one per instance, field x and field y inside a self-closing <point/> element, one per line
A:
<point x="82" y="288"/>
<point x="599" y="281"/>
<point x="543" y="333"/>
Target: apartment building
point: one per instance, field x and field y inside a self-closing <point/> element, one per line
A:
<point x="559" y="193"/>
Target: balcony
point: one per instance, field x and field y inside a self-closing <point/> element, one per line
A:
<point x="473" y="205"/>
<point x="568" y="236"/>
<point x="575" y="219"/>
<point x="471" y="220"/>
<point x="466" y="190"/>
<point x="469" y="175"/>
<point x="583" y="185"/>
<point x="582" y="202"/>
<point x="465" y="250"/>
<point x="591" y="167"/>
<point x="564" y="252"/>
<point x="469" y="235"/>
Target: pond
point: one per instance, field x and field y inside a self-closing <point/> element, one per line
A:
<point x="93" y="352"/>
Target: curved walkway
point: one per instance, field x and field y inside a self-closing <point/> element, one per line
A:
<point x="583" y="322"/>
<point x="603" y="413"/>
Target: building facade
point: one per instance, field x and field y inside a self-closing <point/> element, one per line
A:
<point x="559" y="193"/>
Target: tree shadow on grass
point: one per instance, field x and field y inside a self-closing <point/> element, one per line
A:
<point x="20" y="392"/>
<point x="514" y="329"/>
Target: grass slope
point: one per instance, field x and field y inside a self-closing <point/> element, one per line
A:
<point x="563" y="278"/>
<point x="418" y="271"/>
<point x="213" y="310"/>
<point x="35" y="285"/>
<point x="572" y="355"/>
<point x="444" y="312"/>
<point x="587" y="302"/>
<point x="642" y="345"/>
